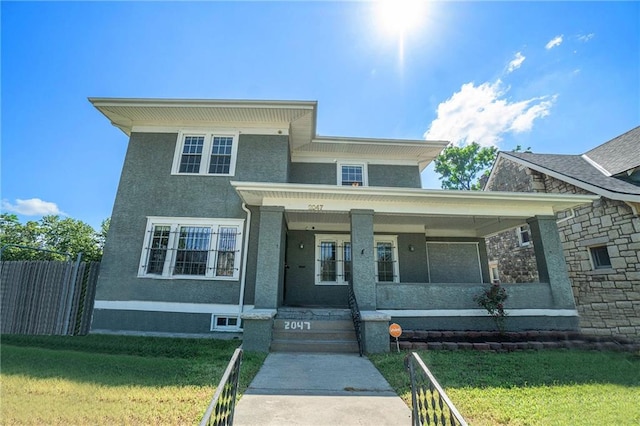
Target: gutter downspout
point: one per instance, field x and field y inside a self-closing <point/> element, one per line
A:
<point x="243" y="281"/>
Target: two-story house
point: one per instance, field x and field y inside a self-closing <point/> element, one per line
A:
<point x="229" y="211"/>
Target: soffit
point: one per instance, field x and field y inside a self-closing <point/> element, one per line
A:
<point x="296" y="116"/>
<point x="481" y="212"/>
<point x="391" y="150"/>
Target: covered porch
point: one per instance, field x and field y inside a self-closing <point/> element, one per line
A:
<point x="416" y="257"/>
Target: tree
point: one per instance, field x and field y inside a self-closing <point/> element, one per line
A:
<point x="460" y="167"/>
<point x="51" y="233"/>
<point x="13" y="233"/>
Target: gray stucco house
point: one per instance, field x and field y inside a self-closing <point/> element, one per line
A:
<point x="601" y="240"/>
<point x="232" y="215"/>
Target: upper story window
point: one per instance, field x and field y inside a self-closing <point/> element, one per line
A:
<point x="191" y="248"/>
<point x="524" y="235"/>
<point x="352" y="174"/>
<point x="207" y="153"/>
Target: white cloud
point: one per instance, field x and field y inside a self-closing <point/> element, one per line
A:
<point x="483" y="114"/>
<point x="586" y="37"/>
<point x="516" y="62"/>
<point x="556" y="41"/>
<point x="32" y="207"/>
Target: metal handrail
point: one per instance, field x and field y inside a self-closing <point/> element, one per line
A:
<point x="355" y="316"/>
<point x="431" y="405"/>
<point x="223" y="404"/>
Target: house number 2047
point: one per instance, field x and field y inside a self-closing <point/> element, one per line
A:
<point x="315" y="206"/>
<point x="297" y="325"/>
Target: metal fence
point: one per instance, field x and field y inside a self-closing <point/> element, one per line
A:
<point x="47" y="297"/>
<point x="223" y="404"/>
<point x="431" y="406"/>
<point x="355" y="316"/>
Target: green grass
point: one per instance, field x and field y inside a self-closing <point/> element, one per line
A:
<point x="558" y="387"/>
<point x="100" y="379"/>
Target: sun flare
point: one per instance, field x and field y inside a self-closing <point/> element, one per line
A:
<point x="400" y="16"/>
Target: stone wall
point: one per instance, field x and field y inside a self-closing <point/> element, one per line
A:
<point x="516" y="263"/>
<point x="608" y="300"/>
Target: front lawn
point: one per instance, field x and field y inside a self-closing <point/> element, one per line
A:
<point x="101" y="379"/>
<point x="551" y="387"/>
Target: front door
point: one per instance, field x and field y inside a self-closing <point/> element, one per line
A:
<point x="317" y="270"/>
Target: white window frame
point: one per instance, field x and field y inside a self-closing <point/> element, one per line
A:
<point x="340" y="240"/>
<point x="494" y="271"/>
<point x="393" y="239"/>
<point x="170" y="259"/>
<point x="522" y="230"/>
<point x="206" y="152"/>
<point x="594" y="265"/>
<point x="365" y="172"/>
<point x="227" y="327"/>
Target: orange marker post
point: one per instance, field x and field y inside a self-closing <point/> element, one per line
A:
<point x="395" y="331"/>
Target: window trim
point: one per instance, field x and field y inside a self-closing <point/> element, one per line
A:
<point x="169" y="262"/>
<point x="522" y="229"/>
<point x="393" y="239"/>
<point x="595" y="266"/>
<point x="205" y="159"/>
<point x="216" y="327"/>
<point x="365" y="172"/>
<point x="340" y="240"/>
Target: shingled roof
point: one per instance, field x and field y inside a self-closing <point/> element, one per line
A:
<point x="619" y="154"/>
<point x="576" y="169"/>
<point x="593" y="171"/>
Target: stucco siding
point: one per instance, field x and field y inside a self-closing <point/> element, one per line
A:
<point x="394" y="176"/>
<point x="147" y="188"/>
<point x="379" y="175"/>
<point x="313" y="173"/>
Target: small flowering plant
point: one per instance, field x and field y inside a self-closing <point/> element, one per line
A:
<point x="492" y="299"/>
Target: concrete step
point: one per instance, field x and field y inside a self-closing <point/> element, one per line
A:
<point x="344" y="335"/>
<point x="314" y="335"/>
<point x="326" y="346"/>
<point x="314" y="314"/>
<point x="291" y="325"/>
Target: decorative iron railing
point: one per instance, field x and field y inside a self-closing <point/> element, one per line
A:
<point x="222" y="406"/>
<point x="355" y="316"/>
<point x="431" y="406"/>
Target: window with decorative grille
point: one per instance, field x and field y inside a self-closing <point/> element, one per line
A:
<point x="191" y="248"/>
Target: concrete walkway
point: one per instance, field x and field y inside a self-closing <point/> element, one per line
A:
<point x="320" y="389"/>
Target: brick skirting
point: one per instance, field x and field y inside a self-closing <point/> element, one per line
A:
<point x="510" y="341"/>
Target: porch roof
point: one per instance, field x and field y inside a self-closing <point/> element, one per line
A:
<point x="434" y="212"/>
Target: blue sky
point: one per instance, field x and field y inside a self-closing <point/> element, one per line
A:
<point x="556" y="77"/>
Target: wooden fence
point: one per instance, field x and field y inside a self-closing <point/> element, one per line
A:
<point x="47" y="297"/>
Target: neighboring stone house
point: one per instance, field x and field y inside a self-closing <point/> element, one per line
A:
<point x="601" y="241"/>
<point x="234" y="218"/>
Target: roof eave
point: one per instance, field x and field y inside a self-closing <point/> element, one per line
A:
<point x="603" y="192"/>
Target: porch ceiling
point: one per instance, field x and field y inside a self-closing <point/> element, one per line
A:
<point x="435" y="212"/>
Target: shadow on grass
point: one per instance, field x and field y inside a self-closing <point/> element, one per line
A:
<point x="124" y="360"/>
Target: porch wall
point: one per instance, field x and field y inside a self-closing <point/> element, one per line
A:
<point x="431" y="296"/>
